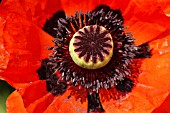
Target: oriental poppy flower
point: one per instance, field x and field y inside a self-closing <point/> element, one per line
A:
<point x="94" y="63"/>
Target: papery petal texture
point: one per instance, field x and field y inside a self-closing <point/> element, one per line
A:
<point x="23" y="44"/>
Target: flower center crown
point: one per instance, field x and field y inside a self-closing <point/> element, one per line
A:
<point x="91" y="47"/>
<point x="93" y="56"/>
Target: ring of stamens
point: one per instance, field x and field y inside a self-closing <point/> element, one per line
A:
<point x="91" y="47"/>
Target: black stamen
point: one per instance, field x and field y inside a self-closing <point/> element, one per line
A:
<point x="55" y="86"/>
<point x="53" y="22"/>
<point x="94" y="104"/>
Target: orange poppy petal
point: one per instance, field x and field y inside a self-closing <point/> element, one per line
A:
<point x="153" y="86"/>
<point x="64" y="104"/>
<point x="89" y="5"/>
<point x="157" y="66"/>
<point x="165" y="6"/>
<point x="4" y="56"/>
<point x="153" y="14"/>
<point x="164" y="107"/>
<point x="33" y="92"/>
<point x="26" y="45"/>
<point x="36" y="11"/>
<point x="143" y="99"/>
<point x="148" y="24"/>
<point x="35" y="97"/>
<point x="53" y="107"/>
<point x="41" y="104"/>
<point x="132" y="103"/>
<point x="144" y="31"/>
<point x="73" y="106"/>
<point x="14" y="103"/>
<point x="71" y="6"/>
<point x="116" y="4"/>
<point x="161" y="46"/>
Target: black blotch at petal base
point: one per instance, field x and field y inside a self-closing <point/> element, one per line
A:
<point x="43" y="69"/>
<point x="143" y="51"/>
<point x="125" y="85"/>
<point x="94" y="104"/>
<point x="54" y="85"/>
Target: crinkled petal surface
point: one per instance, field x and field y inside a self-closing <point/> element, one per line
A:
<point x="4" y="56"/>
<point x="164" y="107"/>
<point x="153" y="86"/>
<point x="36" y="11"/>
<point x="63" y="104"/>
<point x="37" y="100"/>
<point x="165" y="6"/>
<point x="41" y="101"/>
<point x="71" y="6"/>
<point x="146" y="20"/>
<point x="23" y="44"/>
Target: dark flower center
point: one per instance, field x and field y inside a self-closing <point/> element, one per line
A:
<point x="92" y="56"/>
<point x="91" y="47"/>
